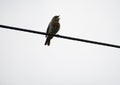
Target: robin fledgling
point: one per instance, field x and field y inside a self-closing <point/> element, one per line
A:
<point x="53" y="28"/>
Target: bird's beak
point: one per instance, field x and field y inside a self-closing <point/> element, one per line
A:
<point x="59" y="16"/>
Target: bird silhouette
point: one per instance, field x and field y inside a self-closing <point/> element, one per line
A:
<point x="52" y="29"/>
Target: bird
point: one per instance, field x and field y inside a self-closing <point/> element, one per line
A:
<point x="52" y="29"/>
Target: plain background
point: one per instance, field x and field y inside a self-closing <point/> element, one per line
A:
<point x="24" y="60"/>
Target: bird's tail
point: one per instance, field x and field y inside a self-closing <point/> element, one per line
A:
<point x="47" y="42"/>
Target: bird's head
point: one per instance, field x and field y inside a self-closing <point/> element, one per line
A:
<point x="56" y="18"/>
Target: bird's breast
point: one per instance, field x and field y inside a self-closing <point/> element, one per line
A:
<point x="54" y="27"/>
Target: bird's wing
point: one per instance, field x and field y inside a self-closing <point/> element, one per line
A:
<point x="47" y="30"/>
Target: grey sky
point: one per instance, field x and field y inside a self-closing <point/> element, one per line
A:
<point x="24" y="60"/>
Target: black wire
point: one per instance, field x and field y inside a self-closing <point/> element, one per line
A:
<point x="61" y="36"/>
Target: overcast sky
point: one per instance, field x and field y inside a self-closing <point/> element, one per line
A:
<point x="24" y="60"/>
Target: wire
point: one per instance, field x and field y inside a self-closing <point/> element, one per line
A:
<point x="61" y="36"/>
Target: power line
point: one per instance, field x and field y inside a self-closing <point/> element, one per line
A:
<point x="61" y="36"/>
